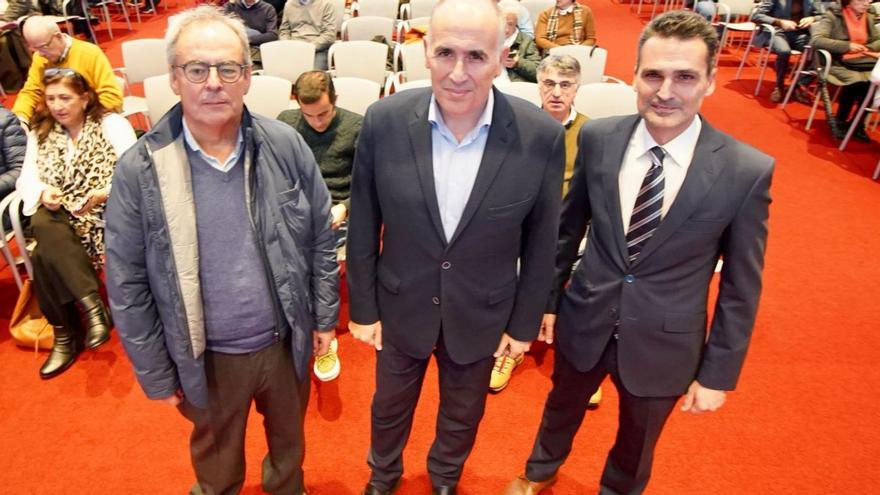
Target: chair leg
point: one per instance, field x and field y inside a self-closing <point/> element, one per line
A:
<point x="742" y="61"/>
<point x="107" y="20"/>
<point x="797" y="74"/>
<point x="764" y="61"/>
<point x="876" y="171"/>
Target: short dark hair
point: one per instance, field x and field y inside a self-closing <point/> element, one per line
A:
<point x="311" y="85"/>
<point x="683" y="25"/>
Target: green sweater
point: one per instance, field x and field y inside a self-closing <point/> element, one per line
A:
<point x="333" y="148"/>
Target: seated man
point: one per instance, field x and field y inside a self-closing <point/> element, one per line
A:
<point x="260" y="21"/>
<point x="523" y="57"/>
<point x="558" y="77"/>
<point x="567" y="23"/>
<point x="792" y="20"/>
<point x="313" y="21"/>
<point x="523" y="20"/>
<point x="55" y="49"/>
<point x="331" y="133"/>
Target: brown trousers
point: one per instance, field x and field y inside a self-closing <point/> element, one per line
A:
<point x="268" y="378"/>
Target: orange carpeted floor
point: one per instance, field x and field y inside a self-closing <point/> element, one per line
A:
<point x="803" y="420"/>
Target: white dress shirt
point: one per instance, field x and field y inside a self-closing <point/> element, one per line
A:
<point x="637" y="161"/>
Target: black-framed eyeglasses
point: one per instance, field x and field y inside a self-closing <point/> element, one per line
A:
<point x="197" y="72"/>
<point x="550" y="84"/>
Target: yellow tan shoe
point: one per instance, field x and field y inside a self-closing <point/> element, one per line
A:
<point x="327" y="366"/>
<point x="523" y="486"/>
<point x="502" y="371"/>
<point x="595" y="399"/>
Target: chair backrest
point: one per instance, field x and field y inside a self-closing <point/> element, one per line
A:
<point x="421" y="83"/>
<point x="597" y="100"/>
<point x="417" y="8"/>
<point x="144" y="58"/>
<point x="412" y="60"/>
<point x="535" y="7"/>
<point x="525" y="90"/>
<point x="364" y="59"/>
<point x="356" y="94"/>
<point x="591" y="58"/>
<point x="381" y="8"/>
<point x="160" y="97"/>
<point x="367" y="27"/>
<point x="268" y="95"/>
<point x="287" y="59"/>
<point x="739" y="7"/>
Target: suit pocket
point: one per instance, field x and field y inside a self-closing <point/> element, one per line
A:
<point x="388" y="279"/>
<point x="684" y="323"/>
<point x="508" y="209"/>
<point x="502" y="293"/>
<point x="290" y="196"/>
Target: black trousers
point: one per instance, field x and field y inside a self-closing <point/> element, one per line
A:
<point x="641" y="419"/>
<point x="268" y="378"/>
<point x="850" y="98"/>
<point x="63" y="272"/>
<point x="399" y="378"/>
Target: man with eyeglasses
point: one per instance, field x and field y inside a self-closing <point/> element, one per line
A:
<point x="222" y="272"/>
<point x="558" y="82"/>
<point x="459" y="185"/>
<point x="55" y="49"/>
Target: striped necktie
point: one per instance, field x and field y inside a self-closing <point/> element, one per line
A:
<point x="649" y="202"/>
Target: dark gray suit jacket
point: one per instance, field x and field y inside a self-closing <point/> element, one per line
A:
<point x="660" y="300"/>
<point x="495" y="273"/>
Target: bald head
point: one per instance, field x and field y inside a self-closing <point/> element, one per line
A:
<point x="43" y="36"/>
<point x="481" y="14"/>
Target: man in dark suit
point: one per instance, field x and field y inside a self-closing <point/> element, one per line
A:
<point x="460" y="184"/>
<point x="667" y="195"/>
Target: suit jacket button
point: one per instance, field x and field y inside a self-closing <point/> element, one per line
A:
<point x="446" y="265"/>
<point x="435" y="300"/>
<point x="629" y="279"/>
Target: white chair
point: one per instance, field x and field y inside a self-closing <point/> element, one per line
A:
<point x="535" y="7"/>
<point x="763" y="54"/>
<point x="525" y="90"/>
<point x="732" y="12"/>
<point x="410" y="59"/>
<point x="421" y="83"/>
<point x="141" y="58"/>
<point x="160" y="97"/>
<point x="367" y="27"/>
<point x="364" y="59"/>
<point x="356" y="94"/>
<point x="417" y="8"/>
<point x="7" y="205"/>
<point x="408" y="24"/>
<point x="287" y="59"/>
<point x="869" y="104"/>
<point x="268" y="95"/>
<point x="381" y="8"/>
<point x="598" y="100"/>
<point x="592" y="60"/>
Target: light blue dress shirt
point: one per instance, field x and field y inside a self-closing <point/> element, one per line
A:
<point x="524" y="22"/>
<point x="456" y="163"/>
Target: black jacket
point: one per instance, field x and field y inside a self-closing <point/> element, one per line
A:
<point x="13" y="141"/>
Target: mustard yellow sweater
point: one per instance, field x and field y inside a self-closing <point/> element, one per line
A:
<point x="571" y="149"/>
<point x="83" y="57"/>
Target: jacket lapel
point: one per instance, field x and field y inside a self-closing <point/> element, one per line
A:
<point x="497" y="146"/>
<point x="701" y="175"/>
<point x="420" y="138"/>
<point x="614" y="151"/>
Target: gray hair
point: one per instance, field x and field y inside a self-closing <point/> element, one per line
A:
<point x="566" y="65"/>
<point x="204" y="14"/>
<point x="443" y="5"/>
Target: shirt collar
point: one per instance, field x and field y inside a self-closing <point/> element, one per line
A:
<point x="572" y="114"/>
<point x="680" y="149"/>
<point x="245" y="5"/>
<point x="68" y="42"/>
<point x="566" y="11"/>
<point x="511" y="39"/>
<point x="437" y="122"/>
<point x="228" y="164"/>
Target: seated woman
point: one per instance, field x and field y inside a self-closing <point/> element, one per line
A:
<point x="852" y="39"/>
<point x="65" y="180"/>
<point x="568" y="23"/>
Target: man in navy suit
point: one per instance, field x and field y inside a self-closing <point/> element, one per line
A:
<point x="460" y="187"/>
<point x="667" y="196"/>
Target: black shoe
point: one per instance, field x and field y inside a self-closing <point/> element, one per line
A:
<point x="96" y="320"/>
<point x="371" y="489"/>
<point x="838" y="128"/>
<point x="64" y="351"/>
<point x="861" y="135"/>
<point x="148" y="10"/>
<point x="443" y="490"/>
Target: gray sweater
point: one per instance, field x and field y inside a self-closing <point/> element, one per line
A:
<point x="315" y="23"/>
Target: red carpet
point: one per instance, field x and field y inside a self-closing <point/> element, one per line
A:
<point x="801" y="422"/>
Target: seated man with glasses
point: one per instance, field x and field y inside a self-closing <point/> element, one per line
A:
<point x="222" y="271"/>
<point x="54" y="49"/>
<point x="558" y="77"/>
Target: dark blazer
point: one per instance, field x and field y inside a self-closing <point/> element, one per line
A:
<point x="494" y="273"/>
<point x="660" y="300"/>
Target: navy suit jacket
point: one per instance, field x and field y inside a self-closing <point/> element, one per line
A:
<point x="496" y="271"/>
<point x="657" y="305"/>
